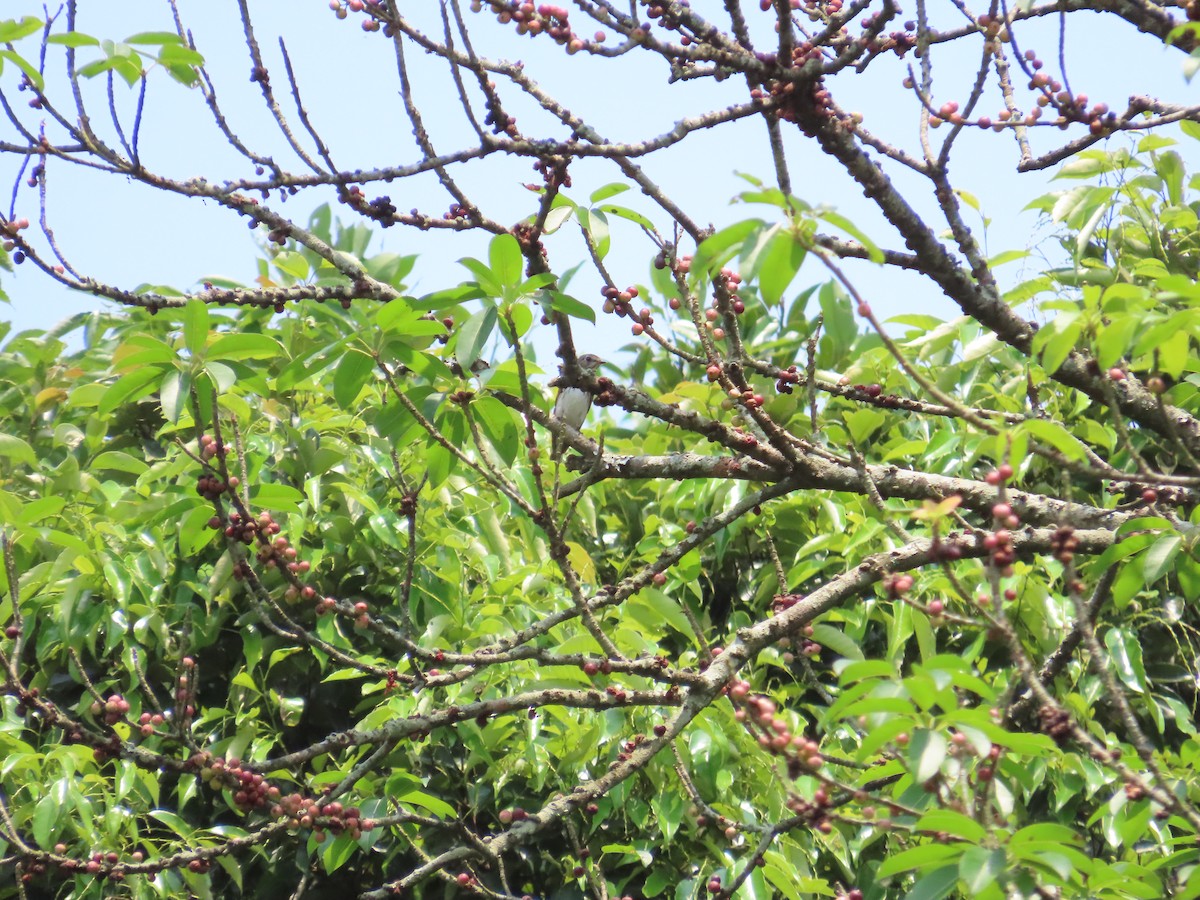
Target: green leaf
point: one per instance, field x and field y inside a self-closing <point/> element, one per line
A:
<point x="30" y="71"/>
<point x="352" y="373"/>
<point x="337" y="852"/>
<point x="862" y="423"/>
<point x="919" y="857"/>
<point x="18" y="450"/>
<point x="419" y="798"/>
<point x="1114" y="340"/>
<point x="1049" y="832"/>
<point x="558" y="216"/>
<point x="173" y="393"/>
<point x="118" y="461"/>
<point x="926" y="752"/>
<point x="222" y="375"/>
<point x="46" y="816"/>
<point x="839" y="221"/>
<point x="1160" y="557"/>
<point x="292" y="264"/>
<point x="473" y="334"/>
<point x="608" y="190"/>
<point x="195" y="326"/>
<point x="979" y="868"/>
<point x="953" y="823"/>
<point x="128" y="388"/>
<point x="1054" y="434"/>
<point x="499" y="424"/>
<point x="507" y="264"/>
<point x="74" y="39"/>
<point x="284" y="497"/>
<point x="484" y="277"/>
<point x="652" y="607"/>
<point x="15" y="29"/>
<point x="935" y="885"/>
<point x="595" y="225"/>
<point x="1059" y="343"/>
<point x="629" y="215"/>
<point x="779" y="264"/>
<point x="154" y="38"/>
<point x="535" y="283"/>
<point x="836" y="640"/>
<point x="1125" y="652"/>
<point x="244" y="345"/>
<point x="718" y="249"/>
<point x="565" y="303"/>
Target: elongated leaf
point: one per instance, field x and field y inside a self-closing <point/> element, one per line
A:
<point x="195" y="326"/>
<point x="780" y="263"/>
<point x="918" y="858"/>
<point x="30" y="71"/>
<point x="576" y="309"/>
<point x="836" y="640"/>
<point x="1056" y="436"/>
<point x="487" y="280"/>
<point x="18" y="450"/>
<point x="953" y="823"/>
<point x="474" y="333"/>
<point x="935" y="885"/>
<point x="926" y="752"/>
<point x="173" y="393"/>
<point x="129" y="387"/>
<point x="1160" y="557"/>
<point x="629" y="215"/>
<point x="15" y="29"/>
<point x="352" y="373"/>
<point x="74" y="39"/>
<point x="839" y="221"/>
<point x="716" y="250"/>
<point x="244" y="346"/>
<point x="609" y="190"/>
<point x="504" y="254"/>
<point x="154" y="38"/>
<point x="1125" y="652"/>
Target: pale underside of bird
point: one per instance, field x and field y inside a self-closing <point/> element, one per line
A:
<point x="572" y="404"/>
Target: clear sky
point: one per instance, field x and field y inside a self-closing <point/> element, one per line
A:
<point x="127" y="234"/>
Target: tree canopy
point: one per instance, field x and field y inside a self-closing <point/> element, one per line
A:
<point x="299" y="602"/>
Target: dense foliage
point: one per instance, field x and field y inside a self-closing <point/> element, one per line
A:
<point x="298" y="603"/>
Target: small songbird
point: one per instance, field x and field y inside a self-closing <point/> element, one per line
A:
<point x="572" y="404"/>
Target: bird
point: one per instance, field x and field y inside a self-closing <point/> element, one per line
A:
<point x="572" y="404"/>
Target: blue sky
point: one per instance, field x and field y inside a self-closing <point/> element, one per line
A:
<point x="127" y="234"/>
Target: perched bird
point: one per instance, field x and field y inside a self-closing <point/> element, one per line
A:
<point x="572" y="405"/>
